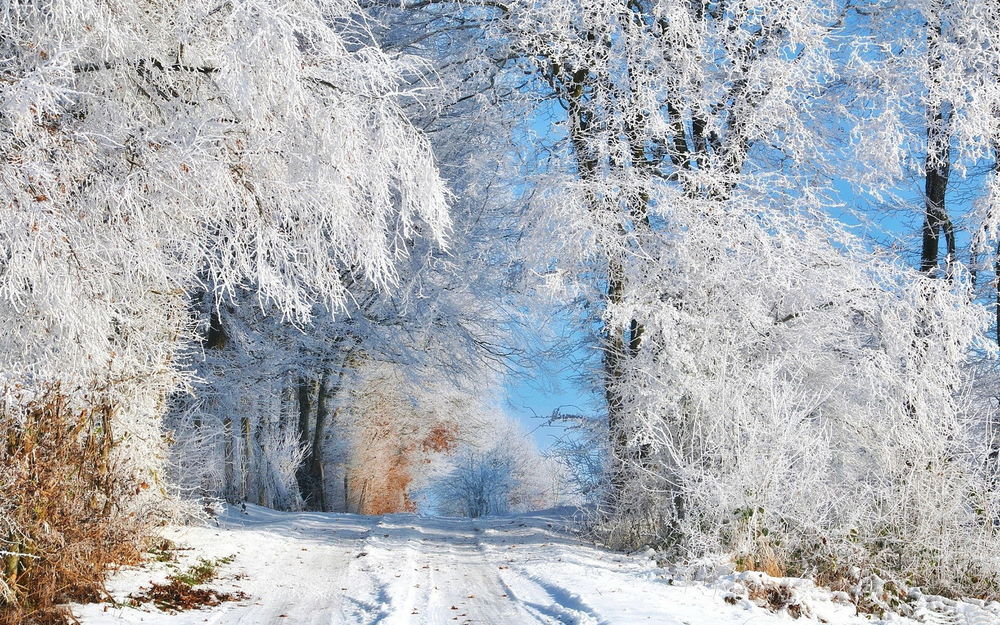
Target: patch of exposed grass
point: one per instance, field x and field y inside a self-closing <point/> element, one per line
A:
<point x="179" y="592"/>
<point x="202" y="572"/>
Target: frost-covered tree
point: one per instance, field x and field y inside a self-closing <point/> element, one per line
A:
<point x="156" y="149"/>
<point x="446" y="317"/>
<point x="804" y="405"/>
<point x="693" y="151"/>
<point x="920" y="81"/>
<point x="648" y="94"/>
<point x="497" y="469"/>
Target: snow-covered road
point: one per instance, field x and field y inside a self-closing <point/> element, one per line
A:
<point x="340" y="569"/>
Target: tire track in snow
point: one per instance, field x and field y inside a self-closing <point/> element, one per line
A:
<point x="547" y="601"/>
<point x="367" y="598"/>
<point x="307" y="558"/>
<point x="554" y="611"/>
<point x="435" y="573"/>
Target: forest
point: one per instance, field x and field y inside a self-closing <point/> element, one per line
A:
<point x="289" y="254"/>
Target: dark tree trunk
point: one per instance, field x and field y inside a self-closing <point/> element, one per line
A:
<point x="303" y="474"/>
<point x="314" y="459"/>
<point x="229" y="461"/>
<point x="936" y="220"/>
<point x="216" y="337"/>
<point x="996" y="258"/>
<point x="575" y="84"/>
<point x="996" y="289"/>
<point x="313" y="424"/>
<point x="937" y="165"/>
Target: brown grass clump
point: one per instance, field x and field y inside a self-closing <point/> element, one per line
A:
<point x="765" y="560"/>
<point x="62" y="520"/>
<point x="179" y="593"/>
<point x="177" y="596"/>
<point x="775" y="597"/>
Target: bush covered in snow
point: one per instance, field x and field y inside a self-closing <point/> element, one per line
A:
<point x="804" y="410"/>
<point x="498" y="470"/>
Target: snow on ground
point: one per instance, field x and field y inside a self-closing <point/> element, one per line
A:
<point x="341" y="569"/>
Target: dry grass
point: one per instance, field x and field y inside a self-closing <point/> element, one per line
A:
<point x="775" y="597"/>
<point x="61" y="502"/>
<point x="177" y="596"/>
<point x="765" y="560"/>
<point x="179" y="593"/>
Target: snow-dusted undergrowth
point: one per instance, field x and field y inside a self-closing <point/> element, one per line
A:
<point x="806" y="411"/>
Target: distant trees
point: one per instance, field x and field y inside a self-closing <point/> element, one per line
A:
<point x="391" y="434"/>
<point x="496" y="470"/>
<point x="446" y="320"/>
<point x="479" y="485"/>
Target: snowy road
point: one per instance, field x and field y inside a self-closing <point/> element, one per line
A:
<point x="338" y="569"/>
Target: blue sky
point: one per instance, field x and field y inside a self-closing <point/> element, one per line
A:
<point x="549" y="378"/>
<point x="530" y="401"/>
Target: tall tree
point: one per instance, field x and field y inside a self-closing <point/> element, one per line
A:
<point x="648" y="94"/>
<point x="152" y="148"/>
<point x="446" y="316"/>
<point x="937" y="162"/>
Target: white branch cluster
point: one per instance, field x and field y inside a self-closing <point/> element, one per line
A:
<point x="152" y="148"/>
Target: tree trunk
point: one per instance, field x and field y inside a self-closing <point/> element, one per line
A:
<point x="303" y="474"/>
<point x="229" y="460"/>
<point x="937" y="167"/>
<point x="996" y="288"/>
<point x="576" y="83"/>
<point x="936" y="218"/>
<point x="314" y="459"/>
<point x="250" y="472"/>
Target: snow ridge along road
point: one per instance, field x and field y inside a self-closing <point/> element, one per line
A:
<point x="340" y="569"/>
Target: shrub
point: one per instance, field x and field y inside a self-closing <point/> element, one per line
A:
<point x="804" y="408"/>
<point x="64" y="513"/>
